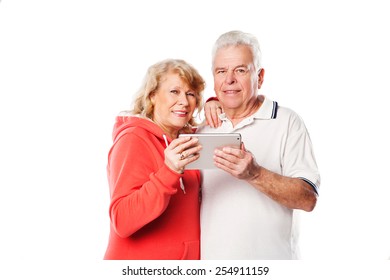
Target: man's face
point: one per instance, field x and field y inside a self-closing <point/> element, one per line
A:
<point x="235" y="78"/>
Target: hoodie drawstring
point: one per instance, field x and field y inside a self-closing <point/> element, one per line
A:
<point x="181" y="179"/>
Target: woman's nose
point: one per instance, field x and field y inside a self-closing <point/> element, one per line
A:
<point x="183" y="99"/>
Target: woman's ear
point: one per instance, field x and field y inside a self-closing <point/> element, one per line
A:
<point x="152" y="98"/>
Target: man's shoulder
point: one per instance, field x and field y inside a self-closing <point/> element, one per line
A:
<point x="286" y="112"/>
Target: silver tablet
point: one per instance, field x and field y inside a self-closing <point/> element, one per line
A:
<point x="210" y="142"/>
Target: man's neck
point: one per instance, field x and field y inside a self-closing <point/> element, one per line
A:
<point x="236" y="116"/>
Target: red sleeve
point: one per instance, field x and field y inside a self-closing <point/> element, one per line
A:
<point x="213" y="98"/>
<point x="139" y="192"/>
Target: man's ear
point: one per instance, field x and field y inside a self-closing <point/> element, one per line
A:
<point x="260" y="78"/>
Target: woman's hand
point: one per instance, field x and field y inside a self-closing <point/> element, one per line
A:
<point x="180" y="152"/>
<point x="212" y="109"/>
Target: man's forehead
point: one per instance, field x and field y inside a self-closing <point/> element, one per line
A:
<point x="233" y="56"/>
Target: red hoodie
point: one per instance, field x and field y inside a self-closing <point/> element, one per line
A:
<point x="151" y="216"/>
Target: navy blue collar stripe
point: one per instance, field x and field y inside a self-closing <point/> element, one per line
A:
<point x="274" y="110"/>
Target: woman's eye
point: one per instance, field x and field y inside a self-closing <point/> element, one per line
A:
<point x="174" y="91"/>
<point x="190" y="94"/>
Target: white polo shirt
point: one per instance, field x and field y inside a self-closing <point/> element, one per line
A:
<point x="237" y="220"/>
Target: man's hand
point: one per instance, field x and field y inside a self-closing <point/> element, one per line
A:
<point x="240" y="163"/>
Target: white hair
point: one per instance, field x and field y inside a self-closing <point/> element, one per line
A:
<point x="237" y="38"/>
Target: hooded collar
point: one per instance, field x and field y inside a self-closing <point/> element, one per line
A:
<point x="123" y="122"/>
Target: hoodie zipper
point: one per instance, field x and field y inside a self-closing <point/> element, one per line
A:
<point x="181" y="178"/>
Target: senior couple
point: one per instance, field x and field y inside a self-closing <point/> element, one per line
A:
<point x="243" y="209"/>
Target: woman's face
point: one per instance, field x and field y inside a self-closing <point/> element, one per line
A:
<point x="174" y="104"/>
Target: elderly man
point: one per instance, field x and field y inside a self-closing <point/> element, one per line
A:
<point x="248" y="203"/>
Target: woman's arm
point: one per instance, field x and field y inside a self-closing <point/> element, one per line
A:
<point x="212" y="109"/>
<point x="139" y="191"/>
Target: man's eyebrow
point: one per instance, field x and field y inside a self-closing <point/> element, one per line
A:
<point x="235" y="67"/>
<point x="242" y="65"/>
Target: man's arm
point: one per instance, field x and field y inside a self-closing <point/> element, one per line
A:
<point x="293" y="193"/>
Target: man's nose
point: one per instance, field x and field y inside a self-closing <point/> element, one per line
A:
<point x="230" y="77"/>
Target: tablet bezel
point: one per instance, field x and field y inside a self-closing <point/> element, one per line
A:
<point x="210" y="142"/>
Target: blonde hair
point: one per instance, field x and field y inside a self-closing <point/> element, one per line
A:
<point x="143" y="105"/>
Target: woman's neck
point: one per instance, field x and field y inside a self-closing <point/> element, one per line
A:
<point x="171" y="133"/>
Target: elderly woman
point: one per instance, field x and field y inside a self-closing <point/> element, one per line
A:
<point x="154" y="207"/>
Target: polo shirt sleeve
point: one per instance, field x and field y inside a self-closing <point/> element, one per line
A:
<point x="298" y="160"/>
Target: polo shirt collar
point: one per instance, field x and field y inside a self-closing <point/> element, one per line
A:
<point x="268" y="110"/>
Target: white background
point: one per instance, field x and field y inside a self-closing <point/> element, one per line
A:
<point x="68" y="67"/>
